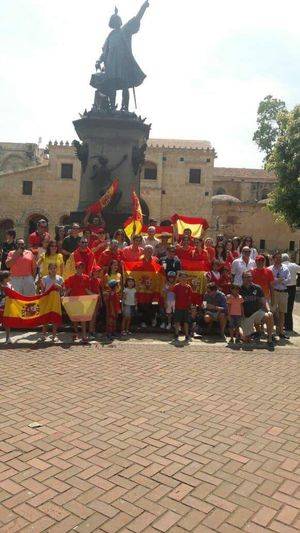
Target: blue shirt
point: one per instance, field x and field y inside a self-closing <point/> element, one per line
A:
<point x="282" y="277"/>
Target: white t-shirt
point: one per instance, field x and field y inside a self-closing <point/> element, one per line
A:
<point x="238" y="267"/>
<point x="294" y="270"/>
<point x="129" y="296"/>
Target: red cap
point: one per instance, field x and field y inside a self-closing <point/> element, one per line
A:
<point x="260" y="258"/>
<point x="79" y="264"/>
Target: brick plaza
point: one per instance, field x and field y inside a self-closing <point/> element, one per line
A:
<point x="144" y="436"/>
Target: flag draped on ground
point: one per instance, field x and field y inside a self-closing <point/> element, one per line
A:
<point x="80" y="308"/>
<point x="134" y="224"/>
<point x="195" y="224"/>
<point x="102" y="202"/>
<point x="149" y="279"/>
<point x="31" y="311"/>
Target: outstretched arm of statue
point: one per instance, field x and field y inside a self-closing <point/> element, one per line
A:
<point x="120" y="163"/>
<point x="142" y="10"/>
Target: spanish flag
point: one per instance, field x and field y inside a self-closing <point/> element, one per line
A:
<point x="80" y="308"/>
<point x="149" y="277"/>
<point x="31" y="311"/>
<point x="134" y="224"/>
<point x="196" y="272"/>
<point x="159" y="230"/>
<point x="195" y="224"/>
<point x="103" y="202"/>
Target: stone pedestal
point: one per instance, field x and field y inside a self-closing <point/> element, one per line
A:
<point x="111" y="140"/>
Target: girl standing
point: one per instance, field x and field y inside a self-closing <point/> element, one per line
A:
<point x="129" y="305"/>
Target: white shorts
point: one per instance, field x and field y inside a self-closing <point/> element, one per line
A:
<point x="170" y="307"/>
<point x="250" y="321"/>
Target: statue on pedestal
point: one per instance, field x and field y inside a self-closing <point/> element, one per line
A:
<point x="118" y="67"/>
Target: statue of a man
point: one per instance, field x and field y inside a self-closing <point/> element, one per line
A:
<point x="120" y="71"/>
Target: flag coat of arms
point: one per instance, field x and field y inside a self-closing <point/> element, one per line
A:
<point x="196" y="272"/>
<point x="149" y="279"/>
<point x="31" y="311"/>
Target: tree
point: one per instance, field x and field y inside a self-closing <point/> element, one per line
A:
<point x="278" y="135"/>
<point x="268" y="129"/>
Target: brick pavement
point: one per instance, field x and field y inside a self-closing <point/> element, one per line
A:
<point x="143" y="436"/>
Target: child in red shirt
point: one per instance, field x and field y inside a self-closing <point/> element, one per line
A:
<point x="113" y="308"/>
<point x="183" y="300"/>
<point x="95" y="285"/>
<point x="78" y="285"/>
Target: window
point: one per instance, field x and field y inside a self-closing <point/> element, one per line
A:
<point x="208" y="160"/>
<point x="206" y="193"/>
<point x="150" y="173"/>
<point x="164" y="158"/>
<point x="181" y="159"/>
<point x="67" y="171"/>
<point x="292" y="246"/>
<point x="195" y="175"/>
<point x="27" y="187"/>
<point x="262" y="244"/>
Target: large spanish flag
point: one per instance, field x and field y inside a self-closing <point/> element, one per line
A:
<point x="149" y="279"/>
<point x="80" y="308"/>
<point x="31" y="311"/>
<point x="104" y="200"/>
<point x="196" y="224"/>
<point x="134" y="224"/>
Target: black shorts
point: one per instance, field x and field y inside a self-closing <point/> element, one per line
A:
<point x="181" y="315"/>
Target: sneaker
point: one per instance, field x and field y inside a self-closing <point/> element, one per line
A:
<point x="143" y="325"/>
<point x="162" y="326"/>
<point x="187" y="340"/>
<point x="128" y="333"/>
<point x="9" y="341"/>
<point x="42" y="338"/>
<point x="154" y="323"/>
<point x="284" y="336"/>
<point x="123" y="334"/>
<point x="231" y="340"/>
<point x="54" y="338"/>
<point x="168" y="327"/>
<point x="271" y="344"/>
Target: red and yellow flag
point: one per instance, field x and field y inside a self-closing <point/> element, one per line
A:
<point x="149" y="279"/>
<point x="134" y="224"/>
<point x="103" y="202"/>
<point x="80" y="308"/>
<point x="195" y="224"/>
<point x="196" y="272"/>
<point x="159" y="230"/>
<point x="30" y="311"/>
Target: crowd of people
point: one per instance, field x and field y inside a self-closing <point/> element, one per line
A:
<point x="247" y="294"/>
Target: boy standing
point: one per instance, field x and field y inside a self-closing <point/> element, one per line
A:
<point x="78" y="285"/>
<point x="183" y="300"/>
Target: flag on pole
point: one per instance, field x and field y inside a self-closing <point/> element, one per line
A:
<point x="31" y="311"/>
<point x="195" y="224"/>
<point x="134" y="224"/>
<point x="80" y="308"/>
<point x="103" y="202"/>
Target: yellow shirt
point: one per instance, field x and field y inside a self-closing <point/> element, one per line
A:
<point x="46" y="260"/>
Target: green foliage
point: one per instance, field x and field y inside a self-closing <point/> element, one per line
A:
<point x="270" y="115"/>
<point x="284" y="160"/>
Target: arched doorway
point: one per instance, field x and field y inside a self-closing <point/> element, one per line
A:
<point x="32" y="221"/>
<point x="5" y="224"/>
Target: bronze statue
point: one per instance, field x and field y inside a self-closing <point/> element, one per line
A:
<point x="118" y="67"/>
<point x="103" y="173"/>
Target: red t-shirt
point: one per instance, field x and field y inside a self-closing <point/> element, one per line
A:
<point x="78" y="284"/>
<point x="87" y="257"/>
<point x="108" y="256"/>
<point x="183" y="296"/>
<point x="35" y="239"/>
<point x="184" y="253"/>
<point x="263" y="277"/>
<point x="95" y="284"/>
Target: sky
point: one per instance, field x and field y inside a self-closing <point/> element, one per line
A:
<point x="208" y="65"/>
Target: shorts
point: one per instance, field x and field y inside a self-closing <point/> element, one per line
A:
<point x="181" y="316"/>
<point x="235" y="321"/>
<point x="280" y="301"/>
<point x="170" y="307"/>
<point x="128" y="311"/>
<point x="248" y="322"/>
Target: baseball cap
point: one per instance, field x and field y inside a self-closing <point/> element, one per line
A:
<point x="259" y="258"/>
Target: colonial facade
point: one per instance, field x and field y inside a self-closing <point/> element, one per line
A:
<point x="179" y="176"/>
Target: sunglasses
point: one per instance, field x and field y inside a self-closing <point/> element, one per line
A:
<point x="84" y="243"/>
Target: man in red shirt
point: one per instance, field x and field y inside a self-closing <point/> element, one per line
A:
<point x="263" y="277"/>
<point x="36" y="238"/>
<point x="134" y="251"/>
<point x="184" y="250"/>
<point x="183" y="300"/>
<point x="78" y="285"/>
<point x="110" y="254"/>
<point x="84" y="255"/>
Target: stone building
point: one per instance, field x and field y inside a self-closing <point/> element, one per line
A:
<point x="179" y="176"/>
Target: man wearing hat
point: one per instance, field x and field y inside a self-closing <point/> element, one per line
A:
<point x="151" y="239"/>
<point x="263" y="277"/>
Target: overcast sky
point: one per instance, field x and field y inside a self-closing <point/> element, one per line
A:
<point x="208" y="64"/>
